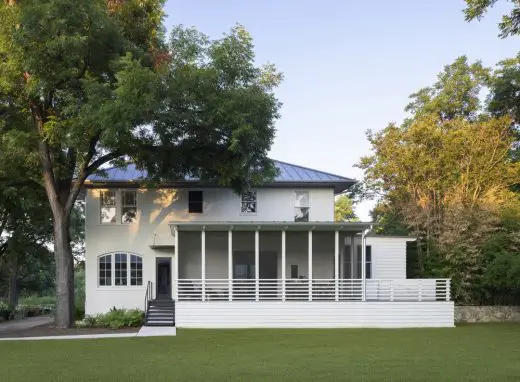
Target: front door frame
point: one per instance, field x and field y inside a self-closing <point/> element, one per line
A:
<point x="160" y="289"/>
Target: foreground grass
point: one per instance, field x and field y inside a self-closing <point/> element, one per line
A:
<point x="467" y="353"/>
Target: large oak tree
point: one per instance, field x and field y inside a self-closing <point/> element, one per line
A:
<point x="87" y="83"/>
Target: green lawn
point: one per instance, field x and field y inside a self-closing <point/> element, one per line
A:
<point x="467" y="353"/>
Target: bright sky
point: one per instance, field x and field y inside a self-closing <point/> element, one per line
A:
<point x="349" y="66"/>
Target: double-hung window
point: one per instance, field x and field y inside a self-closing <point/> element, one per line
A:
<point x="301" y="206"/>
<point x="108" y="207"/>
<point x="128" y="206"/>
<point x="118" y="205"/>
<point x="248" y="202"/>
<point x="195" y="202"/>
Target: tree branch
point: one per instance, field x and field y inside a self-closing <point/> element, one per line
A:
<point x="102" y="160"/>
<point x="82" y="173"/>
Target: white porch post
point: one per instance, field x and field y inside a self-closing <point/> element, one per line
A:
<point x="353" y="258"/>
<point x="257" y="263"/>
<point x="363" y="267"/>
<point x="176" y="264"/>
<point x="284" y="265"/>
<point x="336" y="265"/>
<point x="230" y="264"/>
<point x="203" y="262"/>
<point x="310" y="265"/>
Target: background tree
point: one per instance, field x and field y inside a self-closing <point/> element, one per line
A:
<point x="510" y="24"/>
<point x="344" y="209"/>
<point x="448" y="174"/>
<point x="85" y="83"/>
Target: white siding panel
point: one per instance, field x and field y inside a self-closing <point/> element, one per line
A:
<point x="388" y="257"/>
<point x="314" y="314"/>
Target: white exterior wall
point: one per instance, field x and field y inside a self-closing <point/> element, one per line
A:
<point x="156" y="208"/>
<point x="245" y="314"/>
<point x="388" y="257"/>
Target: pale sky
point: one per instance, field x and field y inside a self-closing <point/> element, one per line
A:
<point x="349" y="66"/>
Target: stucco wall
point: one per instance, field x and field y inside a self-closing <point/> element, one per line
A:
<point x="487" y="313"/>
<point x="156" y="209"/>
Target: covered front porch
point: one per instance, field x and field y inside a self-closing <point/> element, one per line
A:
<point x="279" y="262"/>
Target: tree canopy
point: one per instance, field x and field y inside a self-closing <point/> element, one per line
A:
<point x="448" y="176"/>
<point x="344" y="209"/>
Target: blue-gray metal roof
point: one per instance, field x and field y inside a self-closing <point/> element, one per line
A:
<point x="288" y="173"/>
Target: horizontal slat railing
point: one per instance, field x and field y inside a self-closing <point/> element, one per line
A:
<point x="313" y="290"/>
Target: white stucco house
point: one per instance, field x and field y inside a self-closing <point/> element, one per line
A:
<point x="195" y="255"/>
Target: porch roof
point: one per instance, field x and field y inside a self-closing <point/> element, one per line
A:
<point x="353" y="227"/>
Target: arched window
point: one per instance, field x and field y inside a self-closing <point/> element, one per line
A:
<point x="120" y="269"/>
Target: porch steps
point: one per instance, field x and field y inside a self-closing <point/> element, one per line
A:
<point x="160" y="312"/>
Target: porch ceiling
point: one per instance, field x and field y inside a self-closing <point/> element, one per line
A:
<point x="355" y="227"/>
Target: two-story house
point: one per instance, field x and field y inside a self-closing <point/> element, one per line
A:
<point x="196" y="255"/>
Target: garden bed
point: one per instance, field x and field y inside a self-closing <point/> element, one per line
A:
<point x="49" y="330"/>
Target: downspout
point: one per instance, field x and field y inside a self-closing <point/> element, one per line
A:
<point x="364" y="262"/>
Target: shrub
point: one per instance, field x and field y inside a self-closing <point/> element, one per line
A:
<point x="5" y="312"/>
<point x="115" y="319"/>
<point x="80" y="311"/>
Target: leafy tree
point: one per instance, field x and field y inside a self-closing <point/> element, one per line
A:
<point x="344" y="209"/>
<point x="455" y="94"/>
<point x="446" y="174"/>
<point x="510" y="24"/>
<point x="85" y="83"/>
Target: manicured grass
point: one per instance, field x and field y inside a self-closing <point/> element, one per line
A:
<point x="467" y="353"/>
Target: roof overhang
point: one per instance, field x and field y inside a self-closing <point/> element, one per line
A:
<point x="353" y="227"/>
<point x="338" y="187"/>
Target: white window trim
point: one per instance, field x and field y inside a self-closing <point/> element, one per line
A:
<point x="113" y="272"/>
<point x="119" y="207"/>
<point x="100" y="206"/>
<point x="120" y="192"/>
<point x="294" y="203"/>
<point x="188" y="202"/>
<point x="240" y="205"/>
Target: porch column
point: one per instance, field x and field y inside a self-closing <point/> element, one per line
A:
<point x="363" y="267"/>
<point x="257" y="263"/>
<point x="336" y="265"/>
<point x="353" y="258"/>
<point x="176" y="264"/>
<point x="203" y="262"/>
<point x="230" y="264"/>
<point x="310" y="265"/>
<point x="284" y="265"/>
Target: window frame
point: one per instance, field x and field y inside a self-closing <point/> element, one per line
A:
<point x="242" y="203"/>
<point x="297" y="206"/>
<point x="368" y="262"/>
<point x="127" y="270"/>
<point x="123" y="205"/>
<point x="102" y="205"/>
<point x="201" y="202"/>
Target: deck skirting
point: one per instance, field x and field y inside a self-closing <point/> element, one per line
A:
<point x="278" y="314"/>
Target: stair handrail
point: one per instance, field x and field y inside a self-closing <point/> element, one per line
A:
<point x="148" y="296"/>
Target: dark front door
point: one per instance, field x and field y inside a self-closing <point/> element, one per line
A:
<point x="164" y="278"/>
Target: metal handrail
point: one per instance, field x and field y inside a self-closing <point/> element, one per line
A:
<point x="148" y="296"/>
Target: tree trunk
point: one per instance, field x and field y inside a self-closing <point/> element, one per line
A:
<point x="64" y="272"/>
<point x="14" y="291"/>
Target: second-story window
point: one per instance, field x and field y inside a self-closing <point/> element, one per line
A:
<point x="195" y="202"/>
<point x="108" y="207"/>
<point x="248" y="202"/>
<point x="128" y="206"/>
<point x="301" y="206"/>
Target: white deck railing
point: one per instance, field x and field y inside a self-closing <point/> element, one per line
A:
<point x="313" y="290"/>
